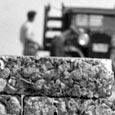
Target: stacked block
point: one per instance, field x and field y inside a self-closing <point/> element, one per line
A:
<point x="67" y="106"/>
<point x="10" y="105"/>
<point x="55" y="86"/>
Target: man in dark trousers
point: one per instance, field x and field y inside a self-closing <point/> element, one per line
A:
<point x="27" y="36"/>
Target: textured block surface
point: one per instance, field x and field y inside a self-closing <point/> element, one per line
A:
<point x="67" y="106"/>
<point x="75" y="77"/>
<point x="10" y="105"/>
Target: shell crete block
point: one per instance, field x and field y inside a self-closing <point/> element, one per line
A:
<point x="55" y="86"/>
<point x="73" y="77"/>
<point x="67" y="106"/>
<point x="10" y="105"/>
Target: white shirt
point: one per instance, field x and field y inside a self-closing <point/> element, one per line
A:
<point x="27" y="32"/>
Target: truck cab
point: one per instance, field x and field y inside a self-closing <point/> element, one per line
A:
<point x="98" y="23"/>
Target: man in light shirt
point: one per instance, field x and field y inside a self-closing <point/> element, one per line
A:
<point x="27" y="35"/>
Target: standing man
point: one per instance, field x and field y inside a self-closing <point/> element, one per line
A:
<point x="27" y="36"/>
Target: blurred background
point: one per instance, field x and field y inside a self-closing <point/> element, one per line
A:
<point x="13" y="14"/>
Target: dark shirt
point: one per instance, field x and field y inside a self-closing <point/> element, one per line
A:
<point x="59" y="43"/>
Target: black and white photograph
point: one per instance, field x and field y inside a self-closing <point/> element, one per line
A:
<point x="57" y="57"/>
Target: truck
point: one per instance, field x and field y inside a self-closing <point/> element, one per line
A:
<point x="99" y="24"/>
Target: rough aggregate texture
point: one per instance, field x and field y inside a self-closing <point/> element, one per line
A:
<point x="87" y="78"/>
<point x="55" y="86"/>
<point x="67" y="106"/>
<point x="10" y="105"/>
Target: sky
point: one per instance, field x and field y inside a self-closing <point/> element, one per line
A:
<point x="13" y="15"/>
